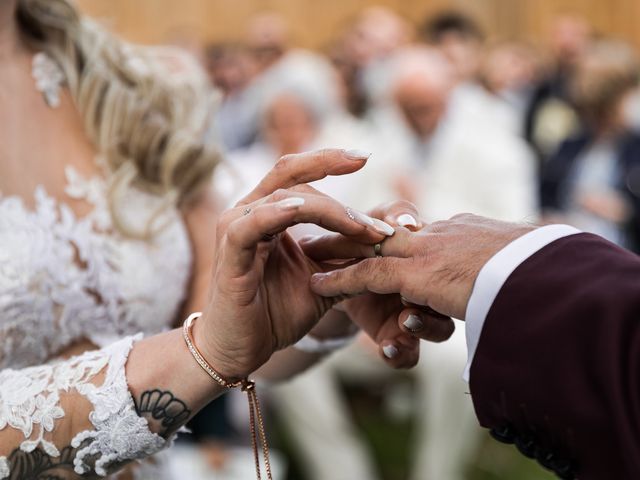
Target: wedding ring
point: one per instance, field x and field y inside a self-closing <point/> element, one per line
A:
<point x="246" y="211"/>
<point x="377" y="249"/>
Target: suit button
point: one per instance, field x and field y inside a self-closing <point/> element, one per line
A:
<point x="526" y="445"/>
<point x="546" y="459"/>
<point x="564" y="469"/>
<point x="503" y="434"/>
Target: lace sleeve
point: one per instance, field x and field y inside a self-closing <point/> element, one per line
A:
<point x="34" y="407"/>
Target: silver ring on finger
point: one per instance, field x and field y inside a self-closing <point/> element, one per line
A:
<point x="377" y="249"/>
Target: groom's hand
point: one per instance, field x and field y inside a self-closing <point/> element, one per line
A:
<point x="434" y="267"/>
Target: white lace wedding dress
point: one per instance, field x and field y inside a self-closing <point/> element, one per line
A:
<point x="65" y="280"/>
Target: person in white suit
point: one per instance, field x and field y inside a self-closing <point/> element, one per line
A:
<point x="447" y="157"/>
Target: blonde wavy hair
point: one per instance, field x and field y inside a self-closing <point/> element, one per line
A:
<point x="148" y="128"/>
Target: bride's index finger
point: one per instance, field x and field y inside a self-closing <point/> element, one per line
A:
<point x="292" y="170"/>
<point x="286" y="208"/>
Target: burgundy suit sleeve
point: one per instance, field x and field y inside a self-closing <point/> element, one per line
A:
<point x="557" y="369"/>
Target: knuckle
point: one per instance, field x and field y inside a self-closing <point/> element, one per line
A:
<point x="334" y="276"/>
<point x="385" y="208"/>
<point x="403" y="238"/>
<point x="461" y="217"/>
<point x="224" y="220"/>
<point x="261" y="220"/>
<point x="325" y="154"/>
<point x="362" y="271"/>
<point x="280" y="194"/>
<point x="441" y="226"/>
<point x="232" y="234"/>
<point x="284" y="162"/>
<point x="291" y="167"/>
<point x="365" y="268"/>
<point x="419" y="245"/>
<point x="403" y="205"/>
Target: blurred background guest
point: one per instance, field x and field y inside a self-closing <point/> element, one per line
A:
<point x="551" y="116"/>
<point x="510" y="71"/>
<point x="461" y="41"/>
<point x="445" y="162"/>
<point x="450" y="167"/>
<point x="231" y="70"/>
<point x="376" y="34"/>
<point x="593" y="181"/>
<point x="268" y="39"/>
<point x="459" y="38"/>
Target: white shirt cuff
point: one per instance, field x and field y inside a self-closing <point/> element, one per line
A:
<point x="495" y="273"/>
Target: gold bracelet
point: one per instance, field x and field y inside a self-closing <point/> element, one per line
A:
<point x="246" y="385"/>
<point x="188" y="338"/>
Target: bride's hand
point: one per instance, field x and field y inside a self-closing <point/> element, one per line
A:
<point x="260" y="300"/>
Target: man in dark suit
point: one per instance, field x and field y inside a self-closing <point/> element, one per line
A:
<point x="552" y="322"/>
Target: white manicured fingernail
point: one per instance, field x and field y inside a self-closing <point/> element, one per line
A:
<point x="413" y="323"/>
<point x="390" y="351"/>
<point x="383" y="228"/>
<point x="290" y="203"/>
<point x="406" y="220"/>
<point x="357" y="154"/>
<point x="360" y="217"/>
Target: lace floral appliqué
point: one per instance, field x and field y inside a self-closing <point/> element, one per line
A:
<point x="64" y="278"/>
<point x="30" y="402"/>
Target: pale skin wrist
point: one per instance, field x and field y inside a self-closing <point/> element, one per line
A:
<point x="213" y="340"/>
<point x="176" y="374"/>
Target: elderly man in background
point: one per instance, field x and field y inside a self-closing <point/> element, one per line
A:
<point x="245" y="75"/>
<point x="441" y="159"/>
<point x="446" y="160"/>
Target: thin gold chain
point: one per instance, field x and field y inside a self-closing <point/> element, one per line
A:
<point x="255" y="413"/>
